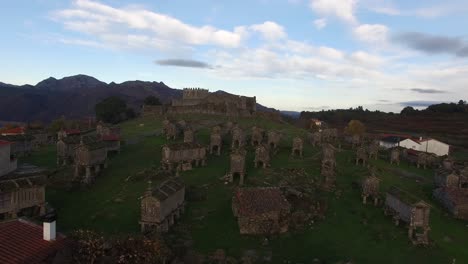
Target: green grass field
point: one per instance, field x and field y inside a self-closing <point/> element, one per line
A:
<point x="350" y="230"/>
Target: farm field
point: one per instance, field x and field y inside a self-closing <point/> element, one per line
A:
<point x="350" y="230"/>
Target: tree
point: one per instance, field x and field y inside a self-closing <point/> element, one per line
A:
<point x="355" y="127"/>
<point x="409" y="110"/>
<point x="111" y="110"/>
<point x="152" y="100"/>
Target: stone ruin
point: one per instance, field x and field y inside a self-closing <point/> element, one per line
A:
<point x="262" y="156"/>
<point x="361" y="155"/>
<point x="370" y="188"/>
<point x="395" y="156"/>
<point x="405" y="207"/>
<point x="170" y="130"/>
<point x="189" y="136"/>
<point x="297" y="147"/>
<point x="162" y="206"/>
<point x="261" y="210"/>
<point x="274" y="138"/>
<point x="183" y="156"/>
<point x="216" y="141"/>
<point x="238" y="138"/>
<point x="257" y="136"/>
<point x="237" y="160"/>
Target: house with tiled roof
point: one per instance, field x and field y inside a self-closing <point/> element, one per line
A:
<point x="14" y="131"/>
<point x="261" y="210"/>
<point x="163" y="205"/>
<point x="420" y="144"/>
<point x="24" y="242"/>
<point x="21" y="144"/>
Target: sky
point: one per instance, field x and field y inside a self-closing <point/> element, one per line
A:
<point x="299" y="55"/>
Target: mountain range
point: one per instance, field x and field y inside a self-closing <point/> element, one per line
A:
<point x="75" y="97"/>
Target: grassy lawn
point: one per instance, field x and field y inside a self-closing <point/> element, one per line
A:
<point x="350" y="231"/>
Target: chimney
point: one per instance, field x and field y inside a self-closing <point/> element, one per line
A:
<point x="420" y="138"/>
<point x="49" y="230"/>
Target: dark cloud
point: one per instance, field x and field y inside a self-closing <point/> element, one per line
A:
<point x="419" y="103"/>
<point x="427" y="91"/>
<point x="383" y="101"/>
<point x="183" y="63"/>
<point x="433" y="44"/>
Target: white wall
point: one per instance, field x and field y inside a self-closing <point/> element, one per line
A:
<point x="410" y="144"/>
<point x="435" y="146"/>
<point x="387" y="145"/>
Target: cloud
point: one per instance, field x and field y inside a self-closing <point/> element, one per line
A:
<point x="427" y="91"/>
<point x="433" y="44"/>
<point x="419" y="103"/>
<point x="371" y="33"/>
<point x="269" y="30"/>
<point x="105" y="22"/>
<point x="183" y="63"/>
<point x="320" y="23"/>
<point x="342" y="9"/>
<point x="366" y="59"/>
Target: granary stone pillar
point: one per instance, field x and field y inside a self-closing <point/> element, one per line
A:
<point x="88" y="171"/>
<point x="97" y="168"/>
<point x="364" y="199"/>
<point x="105" y="164"/>
<point x="376" y="201"/>
<point x="241" y="179"/>
<point x="77" y="170"/>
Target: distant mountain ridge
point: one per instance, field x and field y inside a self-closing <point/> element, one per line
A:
<point x="75" y="97"/>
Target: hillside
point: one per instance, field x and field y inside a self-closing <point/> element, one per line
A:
<point x="75" y="97"/>
<point x="349" y="231"/>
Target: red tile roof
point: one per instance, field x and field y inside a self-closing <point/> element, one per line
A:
<point x="257" y="201"/>
<point x="22" y="242"/>
<point x="14" y="131"/>
<point x="111" y="137"/>
<point x="4" y="142"/>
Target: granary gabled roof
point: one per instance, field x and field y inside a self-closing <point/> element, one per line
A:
<point x="17" y="180"/>
<point x="253" y="201"/>
<point x="404" y="196"/>
<point x="184" y="145"/>
<point x="22" y="242"/>
<point x="167" y="188"/>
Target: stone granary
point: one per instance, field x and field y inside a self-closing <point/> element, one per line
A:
<point x="238" y="138"/>
<point x="90" y="158"/>
<point x="328" y="166"/>
<point x="216" y="142"/>
<point x="189" y="136"/>
<point x="448" y="178"/>
<point x="329" y="135"/>
<point x="297" y="146"/>
<point x="8" y="162"/>
<point x="21" y="145"/>
<point x="395" y="156"/>
<point x="261" y="211"/>
<point x="454" y="199"/>
<point x="162" y="206"/>
<point x="237" y="165"/>
<point x="426" y="160"/>
<point x="373" y="150"/>
<point x="409" y="209"/>
<point x="112" y="143"/>
<point x="104" y="129"/>
<point x="196" y="100"/>
<point x="328" y="154"/>
<point x="370" y="187"/>
<point x="66" y="147"/>
<point x="22" y="192"/>
<point x="183" y="156"/>
<point x="315" y="138"/>
<point x="274" y="138"/>
<point x="361" y="155"/>
<point x="262" y="156"/>
<point x="257" y="136"/>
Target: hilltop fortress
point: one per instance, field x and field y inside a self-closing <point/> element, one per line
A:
<point x="197" y="100"/>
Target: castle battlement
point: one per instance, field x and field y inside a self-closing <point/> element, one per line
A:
<point x="195" y="93"/>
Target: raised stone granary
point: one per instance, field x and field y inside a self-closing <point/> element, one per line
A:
<point x="395" y="156"/>
<point x="90" y="159"/>
<point x="315" y="138"/>
<point x="403" y="206"/>
<point x="183" y="156"/>
<point x="328" y="155"/>
<point x="238" y="138"/>
<point x="162" y="206"/>
<point x="197" y="100"/>
<point x="104" y="129"/>
<point x="361" y="155"/>
<point x="261" y="210"/>
<point x="22" y="190"/>
<point x="373" y="150"/>
<point x="262" y="156"/>
<point x="257" y="136"/>
<point x="66" y="147"/>
<point x="189" y="136"/>
<point x="274" y="138"/>
<point x="454" y="199"/>
<point x="297" y="146"/>
<point x="370" y="188"/>
<point x="237" y="160"/>
<point x="329" y="135"/>
<point x="216" y="142"/>
<point x="447" y="178"/>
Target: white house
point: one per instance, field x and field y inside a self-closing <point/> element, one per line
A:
<point x="429" y="145"/>
<point x="7" y="165"/>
